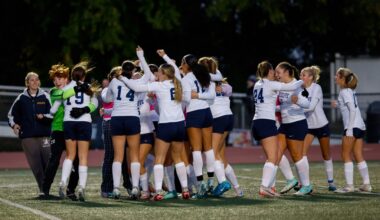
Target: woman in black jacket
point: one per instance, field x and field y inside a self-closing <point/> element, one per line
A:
<point x="26" y="117"/>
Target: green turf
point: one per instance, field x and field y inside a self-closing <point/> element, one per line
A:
<point x="19" y="187"/>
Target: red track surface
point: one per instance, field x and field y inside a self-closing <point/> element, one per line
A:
<point x="255" y="154"/>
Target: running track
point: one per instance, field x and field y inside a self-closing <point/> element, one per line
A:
<point x="235" y="155"/>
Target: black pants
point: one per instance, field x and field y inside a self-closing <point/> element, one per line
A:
<point x="57" y="147"/>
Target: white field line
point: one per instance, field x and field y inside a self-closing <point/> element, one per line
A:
<point x="35" y="211"/>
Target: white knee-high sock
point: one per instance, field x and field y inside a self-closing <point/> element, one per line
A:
<point x="210" y="160"/>
<point x="303" y="171"/>
<point x="82" y="176"/>
<point x="349" y="173"/>
<point x="230" y="174"/>
<point x="219" y="171"/>
<point x="285" y="168"/>
<point x="363" y="170"/>
<point x="158" y="171"/>
<point x="273" y="183"/>
<point x="192" y="180"/>
<point x="329" y="170"/>
<point x="144" y="182"/>
<point x="149" y="163"/>
<point x="169" y="177"/>
<point x="116" y="174"/>
<point x="181" y="173"/>
<point x="268" y="173"/>
<point x="66" y="170"/>
<point x="197" y="164"/>
<point x="135" y="173"/>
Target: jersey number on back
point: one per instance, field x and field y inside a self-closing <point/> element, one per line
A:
<point x="258" y="95"/>
<point x="78" y="99"/>
<point x="130" y="94"/>
<point x="197" y="85"/>
<point x="172" y="93"/>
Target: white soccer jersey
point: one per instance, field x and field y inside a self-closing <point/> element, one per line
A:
<point x="292" y="112"/>
<point x="170" y="109"/>
<point x="78" y="100"/>
<point x="349" y="108"/>
<point x="221" y="105"/>
<point x="206" y="95"/>
<point x="146" y="122"/>
<point x="315" y="115"/>
<point x="265" y="95"/>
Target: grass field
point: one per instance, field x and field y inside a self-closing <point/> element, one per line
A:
<point x="19" y="188"/>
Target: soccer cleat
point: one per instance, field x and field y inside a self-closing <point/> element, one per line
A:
<point x="273" y="188"/>
<point x="365" y="188"/>
<point x="290" y="184"/>
<point x="61" y="190"/>
<point x="158" y="196"/>
<point x="135" y="193"/>
<point x="221" y="188"/>
<point x="332" y="186"/>
<point x="185" y="194"/>
<point x="210" y="185"/>
<point x="171" y="195"/>
<point x="145" y="195"/>
<point x="305" y="190"/>
<point x="72" y="196"/>
<point x="239" y="192"/>
<point x="202" y="193"/>
<point x="116" y="193"/>
<point x="267" y="192"/>
<point x="346" y="189"/>
<point x="81" y="194"/>
<point x="106" y="195"/>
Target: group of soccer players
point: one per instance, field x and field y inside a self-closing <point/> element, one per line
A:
<point x="160" y="120"/>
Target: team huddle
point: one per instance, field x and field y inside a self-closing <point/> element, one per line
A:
<point x="160" y="120"/>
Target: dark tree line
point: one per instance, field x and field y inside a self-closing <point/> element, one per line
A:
<point x="36" y="34"/>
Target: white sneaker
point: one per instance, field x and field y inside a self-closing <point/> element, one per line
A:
<point x="365" y="188"/>
<point x="145" y="195"/>
<point x="135" y="193"/>
<point x="267" y="192"/>
<point x="346" y="189"/>
<point x="116" y="193"/>
<point x="81" y="194"/>
<point x="239" y="192"/>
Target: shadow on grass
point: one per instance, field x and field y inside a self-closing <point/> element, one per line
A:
<point x="87" y="204"/>
<point x="318" y="197"/>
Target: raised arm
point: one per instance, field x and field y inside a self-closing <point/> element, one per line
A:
<point x="167" y="59"/>
<point x="147" y="73"/>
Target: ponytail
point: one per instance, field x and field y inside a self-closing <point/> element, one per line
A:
<point x="79" y="72"/>
<point x="313" y="71"/>
<point x="263" y="69"/>
<point x="177" y="90"/>
<point x="350" y="79"/>
<point x="200" y="72"/>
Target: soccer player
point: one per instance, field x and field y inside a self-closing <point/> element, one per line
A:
<point x="354" y="129"/>
<point x="318" y="125"/>
<point x="293" y="127"/>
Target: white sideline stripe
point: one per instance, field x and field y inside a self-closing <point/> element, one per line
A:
<point x="35" y="211"/>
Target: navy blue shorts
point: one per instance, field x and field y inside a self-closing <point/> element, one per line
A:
<point x="263" y="128"/>
<point x="199" y="119"/>
<point x="125" y="125"/>
<point x="357" y="132"/>
<point x="147" y="139"/>
<point x="222" y="124"/>
<point x="77" y="130"/>
<point x="172" y="131"/>
<point x="295" y="131"/>
<point x="320" y="132"/>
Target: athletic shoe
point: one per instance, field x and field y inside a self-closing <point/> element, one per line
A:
<point x="267" y="192"/>
<point x="158" y="196"/>
<point x="239" y="192"/>
<point x="171" y="195"/>
<point x="61" y="190"/>
<point x="116" y="193"/>
<point x="81" y="194"/>
<point x="365" y="188"/>
<point x="346" y="189"/>
<point x="135" y="193"/>
<point x="273" y="188"/>
<point x="298" y="187"/>
<point x="290" y="184"/>
<point x="106" y="195"/>
<point x="221" y="188"/>
<point x="185" y="194"/>
<point x="145" y="195"/>
<point x="305" y="190"/>
<point x="72" y="196"/>
<point x="332" y="186"/>
<point x="202" y="193"/>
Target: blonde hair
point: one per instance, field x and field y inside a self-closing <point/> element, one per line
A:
<point x="263" y="69"/>
<point x="350" y="79"/>
<point x="28" y="76"/>
<point x="115" y="72"/>
<point x="313" y="71"/>
<point x="59" y="70"/>
<point x="169" y="71"/>
<point x="80" y="71"/>
<point x="210" y="63"/>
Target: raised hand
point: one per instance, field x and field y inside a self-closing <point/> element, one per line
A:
<point x="161" y="52"/>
